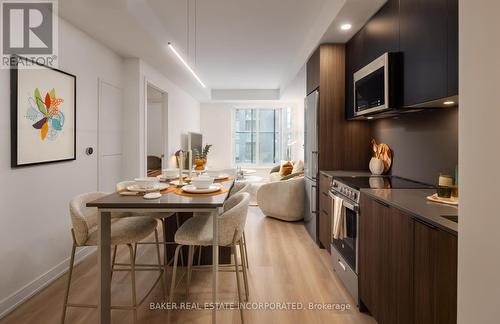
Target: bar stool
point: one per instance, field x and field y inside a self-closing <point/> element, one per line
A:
<point x="124" y="231"/>
<point x="236" y="188"/>
<point x="198" y="231"/>
<point x="162" y="217"/>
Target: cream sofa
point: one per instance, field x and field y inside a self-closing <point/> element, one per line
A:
<point x="282" y="199"/>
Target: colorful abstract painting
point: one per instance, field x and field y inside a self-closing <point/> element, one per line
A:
<point x="46" y="114"/>
<point x="43" y="116"/>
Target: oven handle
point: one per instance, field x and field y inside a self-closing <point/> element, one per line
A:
<point x="345" y="203"/>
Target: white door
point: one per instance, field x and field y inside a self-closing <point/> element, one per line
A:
<point x="110" y="133"/>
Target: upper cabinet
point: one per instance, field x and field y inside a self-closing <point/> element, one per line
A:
<point x="423" y="40"/>
<point x="426" y="33"/>
<point x="312" y="71"/>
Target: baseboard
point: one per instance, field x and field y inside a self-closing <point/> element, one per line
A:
<point x="9" y="303"/>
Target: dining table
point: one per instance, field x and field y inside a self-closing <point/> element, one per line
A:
<point x="168" y="202"/>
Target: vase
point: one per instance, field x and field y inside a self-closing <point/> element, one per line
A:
<point x="376" y="166"/>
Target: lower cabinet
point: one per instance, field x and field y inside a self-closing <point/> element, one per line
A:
<point x="435" y="275"/>
<point x="385" y="268"/>
<point x="407" y="269"/>
<point x="324" y="212"/>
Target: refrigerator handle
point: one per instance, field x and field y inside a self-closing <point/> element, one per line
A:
<point x="314" y="165"/>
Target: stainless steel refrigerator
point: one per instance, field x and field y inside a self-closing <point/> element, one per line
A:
<point x="311" y="171"/>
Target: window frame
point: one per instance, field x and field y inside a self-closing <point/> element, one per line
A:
<point x="282" y="132"/>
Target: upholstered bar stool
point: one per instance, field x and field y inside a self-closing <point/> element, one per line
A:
<point x="124" y="231"/>
<point x="162" y="217"/>
<point x="236" y="188"/>
<point x="198" y="231"/>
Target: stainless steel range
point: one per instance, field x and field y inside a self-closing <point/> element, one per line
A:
<point x="345" y="251"/>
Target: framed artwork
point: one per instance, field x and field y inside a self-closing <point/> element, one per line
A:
<point x="43" y="114"/>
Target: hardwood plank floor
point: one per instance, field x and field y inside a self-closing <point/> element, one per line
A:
<point x="285" y="266"/>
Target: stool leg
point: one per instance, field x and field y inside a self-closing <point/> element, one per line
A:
<point x="132" y="274"/>
<point x="199" y="254"/>
<point x="174" y="273"/>
<point x="245" y="246"/>
<point x="244" y="268"/>
<point x="179" y="225"/>
<point x="113" y="261"/>
<point x="160" y="267"/>
<point x="237" y="271"/>
<point x="189" y="269"/>
<point x="68" y="284"/>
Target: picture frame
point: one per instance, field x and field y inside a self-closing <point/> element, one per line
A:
<point x="43" y="114"/>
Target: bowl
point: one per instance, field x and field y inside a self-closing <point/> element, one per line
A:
<point x="202" y="182"/>
<point x="170" y="173"/>
<point x="146" y="182"/>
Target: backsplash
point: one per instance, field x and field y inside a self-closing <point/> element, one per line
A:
<point x="424" y="144"/>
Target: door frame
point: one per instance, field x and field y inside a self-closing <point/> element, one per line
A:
<point x="164" y="129"/>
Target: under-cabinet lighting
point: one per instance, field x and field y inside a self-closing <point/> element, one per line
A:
<point x="186" y="65"/>
<point x="369" y="117"/>
<point x="449" y="103"/>
<point x="346" y="26"/>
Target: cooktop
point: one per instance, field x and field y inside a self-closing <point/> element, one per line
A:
<point x="381" y="182"/>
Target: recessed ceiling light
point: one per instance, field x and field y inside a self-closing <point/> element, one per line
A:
<point x="369" y="117"/>
<point x="449" y="102"/>
<point x="346" y="26"/>
<point x="186" y="65"/>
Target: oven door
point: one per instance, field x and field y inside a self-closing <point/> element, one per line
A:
<point x="348" y="246"/>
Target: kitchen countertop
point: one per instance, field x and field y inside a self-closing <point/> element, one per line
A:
<point x="414" y="202"/>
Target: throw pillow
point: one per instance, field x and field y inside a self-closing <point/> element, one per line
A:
<point x="286" y="168"/>
<point x="298" y="167"/>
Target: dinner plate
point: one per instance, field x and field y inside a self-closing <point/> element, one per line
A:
<point x="221" y="176"/>
<point x="157" y="187"/>
<point x="193" y="189"/>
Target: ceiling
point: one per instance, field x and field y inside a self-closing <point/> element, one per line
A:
<point x="231" y="44"/>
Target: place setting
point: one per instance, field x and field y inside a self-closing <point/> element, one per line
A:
<point x="202" y="185"/>
<point x="148" y="187"/>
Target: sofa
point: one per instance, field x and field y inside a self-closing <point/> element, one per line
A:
<point x="283" y="199"/>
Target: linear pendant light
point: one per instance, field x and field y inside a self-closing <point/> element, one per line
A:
<point x="186" y="65"/>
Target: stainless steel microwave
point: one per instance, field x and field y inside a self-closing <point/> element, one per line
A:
<point x="377" y="86"/>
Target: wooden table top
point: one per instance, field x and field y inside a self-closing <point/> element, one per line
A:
<point x="169" y="200"/>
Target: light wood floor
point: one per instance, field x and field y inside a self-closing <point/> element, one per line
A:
<point x="285" y="266"/>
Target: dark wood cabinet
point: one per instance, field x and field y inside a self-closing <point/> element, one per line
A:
<point x="325" y="219"/>
<point x="385" y="262"/>
<point x="435" y="275"/>
<point x="407" y="268"/>
<point x="312" y="72"/>
<point x="342" y="145"/>
<point x="426" y="33"/>
<point x="452" y="34"/>
<point x="423" y="42"/>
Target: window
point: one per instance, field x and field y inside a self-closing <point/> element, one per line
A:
<point x="258" y="135"/>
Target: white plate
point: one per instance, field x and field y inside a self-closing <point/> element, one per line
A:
<point x="449" y="201"/>
<point x="221" y="176"/>
<point x="152" y="195"/>
<point x="193" y="189"/>
<point x="157" y="187"/>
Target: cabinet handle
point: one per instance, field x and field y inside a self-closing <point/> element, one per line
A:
<point x="324" y="194"/>
<point x="324" y="212"/>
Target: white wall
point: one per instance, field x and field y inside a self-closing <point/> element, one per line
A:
<point x="35" y="239"/>
<point x="479" y="161"/>
<point x="295" y="92"/>
<point x="183" y="115"/>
